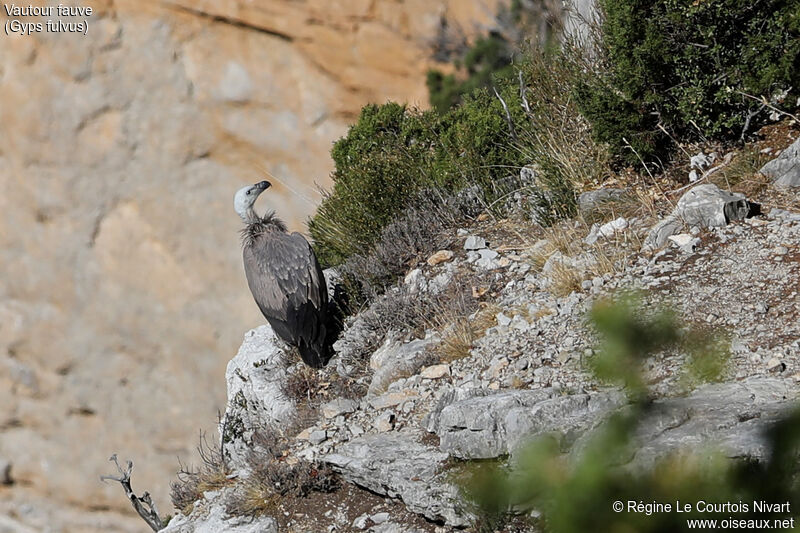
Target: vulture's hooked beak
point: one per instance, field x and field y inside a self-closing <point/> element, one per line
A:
<point x="262" y="185"/>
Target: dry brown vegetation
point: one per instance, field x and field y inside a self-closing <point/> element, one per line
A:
<point x="212" y="474"/>
<point x="273" y="481"/>
<point x="564" y="279"/>
<point x="459" y="332"/>
<point x="423" y="228"/>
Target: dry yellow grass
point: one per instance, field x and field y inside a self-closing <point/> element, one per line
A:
<point x="459" y="333"/>
<point x="213" y="474"/>
<point x="564" y="279"/>
<point x="254" y="498"/>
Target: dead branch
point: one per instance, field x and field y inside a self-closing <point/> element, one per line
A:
<point x="750" y="116"/>
<point x="144" y="506"/>
<point x="764" y="102"/>
<point x="508" y="115"/>
<point x="706" y="174"/>
<point x="523" y="94"/>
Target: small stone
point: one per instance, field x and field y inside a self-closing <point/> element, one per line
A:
<point x="379" y="518"/>
<point x="392" y="399"/>
<point x="700" y="161"/>
<point x="318" y="436"/>
<point x="781" y="250"/>
<point x="521" y="364"/>
<point x="564" y="356"/>
<point x="610" y="228"/>
<point x="384" y="422"/>
<point x="435" y="371"/>
<point x="440" y="257"/>
<point x="5" y="472"/>
<point x="503" y="320"/>
<point x="487" y="254"/>
<point x="337" y="407"/>
<point x="762" y="308"/>
<point x="474" y="242"/>
<point x="497" y="367"/>
<point x="503" y="262"/>
<point x="680" y="240"/>
<point x="519" y="323"/>
<point x="415" y="279"/>
<point x="361" y="522"/>
<point x="776" y="365"/>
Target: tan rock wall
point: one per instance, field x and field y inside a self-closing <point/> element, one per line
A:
<point x="122" y="294"/>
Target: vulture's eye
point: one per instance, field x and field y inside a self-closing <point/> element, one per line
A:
<point x="248" y="192"/>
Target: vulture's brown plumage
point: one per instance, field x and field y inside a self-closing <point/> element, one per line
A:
<point x="286" y="280"/>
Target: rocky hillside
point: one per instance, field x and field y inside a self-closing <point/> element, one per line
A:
<point x="122" y="294"/>
<point x="501" y="355"/>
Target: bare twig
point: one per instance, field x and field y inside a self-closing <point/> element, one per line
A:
<point x="705" y="175"/>
<point x="655" y="182"/>
<point x="523" y="94"/>
<point x="766" y="103"/>
<point x="674" y="140"/>
<point x="750" y="116"/>
<point x="508" y="115"/>
<point x="144" y="505"/>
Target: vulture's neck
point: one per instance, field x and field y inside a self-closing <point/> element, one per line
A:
<point x="257" y="226"/>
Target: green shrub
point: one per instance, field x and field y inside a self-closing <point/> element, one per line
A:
<point x="558" y="142"/>
<point x="684" y="65"/>
<point x="385" y="158"/>
<point x="475" y="143"/>
<point x="392" y="153"/>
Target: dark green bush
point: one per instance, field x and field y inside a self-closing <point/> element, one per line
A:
<point x="392" y="153"/>
<point x="385" y="157"/>
<point x="688" y="67"/>
<point x="475" y="145"/>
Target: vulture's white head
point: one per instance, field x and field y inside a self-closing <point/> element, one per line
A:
<point x="246" y="197"/>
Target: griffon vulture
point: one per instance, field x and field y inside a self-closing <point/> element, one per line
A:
<point x="285" y="279"/>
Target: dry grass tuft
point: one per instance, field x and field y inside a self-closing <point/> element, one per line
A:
<point x="564" y="279"/>
<point x="457" y="340"/>
<point x="423" y="228"/>
<point x="743" y="167"/>
<point x="411" y="312"/>
<point x="559" y="141"/>
<point x="539" y="254"/>
<point x="273" y="481"/>
<point x="459" y="333"/>
<point x="213" y="474"/>
<point x="303" y="385"/>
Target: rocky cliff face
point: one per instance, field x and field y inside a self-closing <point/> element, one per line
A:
<point x="122" y="295"/>
<point x="417" y="409"/>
